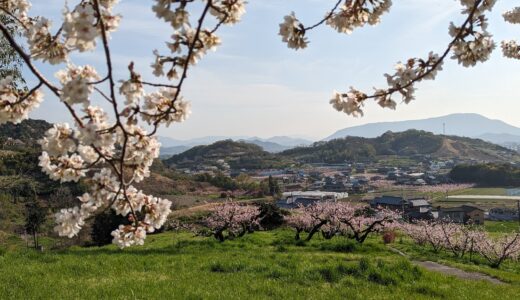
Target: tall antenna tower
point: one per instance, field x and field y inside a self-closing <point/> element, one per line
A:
<point x="444" y="128"/>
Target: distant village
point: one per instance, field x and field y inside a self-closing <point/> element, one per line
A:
<point x="334" y="182"/>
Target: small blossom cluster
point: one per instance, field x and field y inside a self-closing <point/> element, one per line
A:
<point x="18" y="8"/>
<point x="81" y="27"/>
<point x="190" y="44"/>
<point x="350" y="102"/>
<point x="15" y="105"/>
<point x="293" y="32"/>
<point x="76" y="84"/>
<point x="511" y="49"/>
<point x="512" y="16"/>
<point x="228" y="11"/>
<point x="472" y="46"/>
<point x="157" y="105"/>
<point x="351" y="15"/>
<point x="472" y="43"/>
<point x="232" y="219"/>
<point x="354" y="14"/>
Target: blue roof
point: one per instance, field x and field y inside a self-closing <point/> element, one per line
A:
<point x="296" y="203"/>
<point x="388" y="200"/>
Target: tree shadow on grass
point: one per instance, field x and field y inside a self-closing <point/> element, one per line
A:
<point x="175" y="248"/>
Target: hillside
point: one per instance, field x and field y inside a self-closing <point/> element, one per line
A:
<point x="239" y="155"/>
<point x="500" y="138"/>
<point x="402" y="144"/>
<point x="469" y="125"/>
<point x="28" y="131"/>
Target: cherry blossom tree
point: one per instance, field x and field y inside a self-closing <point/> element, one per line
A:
<point x="497" y="249"/>
<point x="340" y="218"/>
<point x="365" y="221"/>
<point x="426" y="233"/>
<point x="461" y="239"/>
<point x="232" y="220"/>
<point x="112" y="149"/>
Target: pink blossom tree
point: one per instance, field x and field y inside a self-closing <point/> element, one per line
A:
<point x="232" y="219"/>
<point x="498" y="249"/>
<point x="366" y="221"/>
<point x="340" y="218"/>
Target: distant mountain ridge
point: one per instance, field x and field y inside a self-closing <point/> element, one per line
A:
<point x="406" y="144"/>
<point x="411" y="145"/>
<point x="273" y="144"/>
<point x="465" y="125"/>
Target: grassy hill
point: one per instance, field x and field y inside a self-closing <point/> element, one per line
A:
<point x="407" y="144"/>
<point x="28" y="131"/>
<point x="238" y="155"/>
<point x="264" y="265"/>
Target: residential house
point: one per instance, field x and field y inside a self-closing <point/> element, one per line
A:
<point x="419" y="209"/>
<point x="389" y="202"/>
<point x="462" y="214"/>
<point x="290" y="200"/>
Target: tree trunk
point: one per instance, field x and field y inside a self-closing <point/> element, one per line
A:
<point x="315" y="229"/>
<point x="219" y="236"/>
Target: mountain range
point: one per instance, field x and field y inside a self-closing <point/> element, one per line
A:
<point x="407" y="147"/>
<point x="461" y="124"/>
<point x="465" y="125"/>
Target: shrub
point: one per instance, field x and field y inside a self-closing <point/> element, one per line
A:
<point x="389" y="237"/>
<point x="270" y="216"/>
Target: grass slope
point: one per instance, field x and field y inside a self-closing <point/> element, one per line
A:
<point x="259" y="266"/>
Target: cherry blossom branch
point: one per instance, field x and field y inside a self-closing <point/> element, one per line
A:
<point x="327" y="17"/>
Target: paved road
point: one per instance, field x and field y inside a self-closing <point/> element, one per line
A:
<point x="484" y="197"/>
<point x="436" y="267"/>
<point x="433" y="266"/>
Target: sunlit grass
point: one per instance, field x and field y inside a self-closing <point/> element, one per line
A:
<point x="259" y="266"/>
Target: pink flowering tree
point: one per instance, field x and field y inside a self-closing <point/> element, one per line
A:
<point x="231" y="220"/>
<point x="366" y="221"/>
<point x="113" y="149"/>
<point x="426" y="233"/>
<point x="301" y="221"/>
<point x="462" y="239"/>
<point x="340" y="218"/>
<point x="498" y="249"/>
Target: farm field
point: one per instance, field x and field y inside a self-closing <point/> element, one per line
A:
<point x="258" y="266"/>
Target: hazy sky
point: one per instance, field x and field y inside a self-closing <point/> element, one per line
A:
<point x="255" y="86"/>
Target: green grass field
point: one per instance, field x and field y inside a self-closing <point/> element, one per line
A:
<point x="259" y="266"/>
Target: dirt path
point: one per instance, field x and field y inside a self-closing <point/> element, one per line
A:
<point x="436" y="267"/>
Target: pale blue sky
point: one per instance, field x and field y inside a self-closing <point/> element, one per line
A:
<point x="255" y="86"/>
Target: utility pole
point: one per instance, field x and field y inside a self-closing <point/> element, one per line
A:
<point x="518" y="211"/>
<point x="444" y="128"/>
